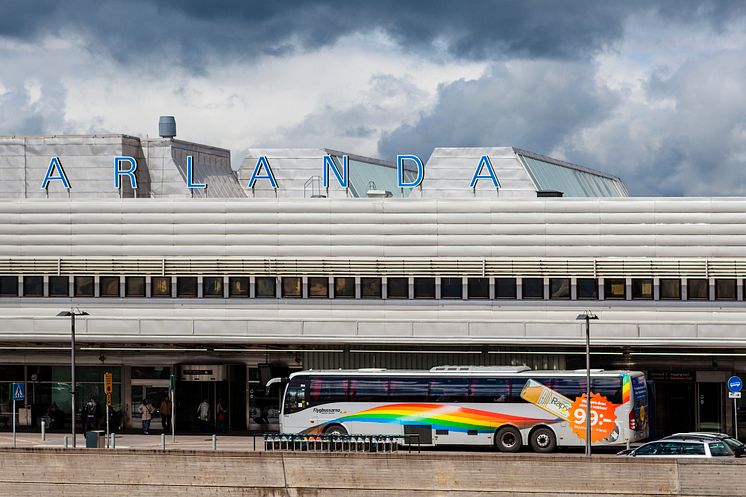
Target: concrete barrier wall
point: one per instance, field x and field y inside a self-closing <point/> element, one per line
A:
<point x="83" y="473"/>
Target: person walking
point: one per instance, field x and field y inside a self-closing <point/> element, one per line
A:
<point x="146" y="415"/>
<point x="166" y="414"/>
<point x="203" y="415"/>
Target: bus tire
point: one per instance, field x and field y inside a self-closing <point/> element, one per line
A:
<point x="543" y="440"/>
<point x="335" y="430"/>
<point x="508" y="439"/>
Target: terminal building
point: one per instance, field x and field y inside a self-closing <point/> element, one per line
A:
<point x="317" y="258"/>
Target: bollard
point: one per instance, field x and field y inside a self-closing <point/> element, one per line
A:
<point x="214" y="442"/>
<point x="627" y="442"/>
<point x="113" y="443"/>
<point x="163" y="441"/>
<point x="43" y="431"/>
<point x="64" y="442"/>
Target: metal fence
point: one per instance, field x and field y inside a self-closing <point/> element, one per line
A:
<point x="339" y="443"/>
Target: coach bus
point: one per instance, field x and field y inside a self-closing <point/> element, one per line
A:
<point x="508" y="407"/>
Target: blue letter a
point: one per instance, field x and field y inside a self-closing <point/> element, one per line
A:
<point x="484" y="161"/>
<point x="55" y="164"/>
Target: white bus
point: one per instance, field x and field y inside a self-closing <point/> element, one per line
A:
<point x="507" y="407"/>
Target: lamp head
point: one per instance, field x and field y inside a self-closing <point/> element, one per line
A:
<point x="586" y="315"/>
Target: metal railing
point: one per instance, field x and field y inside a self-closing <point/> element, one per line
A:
<point x="339" y="443"/>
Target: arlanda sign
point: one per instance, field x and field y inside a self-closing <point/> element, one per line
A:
<point x="125" y="167"/>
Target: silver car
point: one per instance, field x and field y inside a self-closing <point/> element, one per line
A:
<point x="682" y="447"/>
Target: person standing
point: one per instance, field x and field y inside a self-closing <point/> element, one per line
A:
<point x="90" y="410"/>
<point x="203" y="415"/>
<point x="146" y="415"/>
<point x="221" y="416"/>
<point x="166" y="414"/>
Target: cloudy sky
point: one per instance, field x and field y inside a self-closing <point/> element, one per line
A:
<point x="655" y="93"/>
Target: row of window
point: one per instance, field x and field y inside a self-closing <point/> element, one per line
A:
<point x="313" y="391"/>
<point x="370" y="287"/>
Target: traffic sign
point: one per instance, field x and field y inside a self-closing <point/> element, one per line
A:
<point x="108" y="387"/>
<point x="19" y="391"/>
<point x="734" y="395"/>
<point x="735" y="384"/>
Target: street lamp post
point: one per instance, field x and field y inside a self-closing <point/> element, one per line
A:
<point x="587" y="316"/>
<point x="72" y="313"/>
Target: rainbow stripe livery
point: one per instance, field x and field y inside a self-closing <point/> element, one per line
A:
<point x="626" y="388"/>
<point x="440" y="416"/>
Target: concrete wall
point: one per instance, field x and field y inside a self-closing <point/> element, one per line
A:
<point x="83" y="473"/>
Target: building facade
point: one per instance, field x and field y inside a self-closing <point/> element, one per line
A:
<point x="313" y="258"/>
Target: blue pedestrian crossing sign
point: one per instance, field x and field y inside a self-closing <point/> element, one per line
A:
<point x="19" y="392"/>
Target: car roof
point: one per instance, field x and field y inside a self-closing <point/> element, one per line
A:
<point x="697" y="435"/>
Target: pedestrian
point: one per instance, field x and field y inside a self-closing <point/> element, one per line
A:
<point x="221" y="416"/>
<point x="203" y="416"/>
<point x="90" y="411"/>
<point x="166" y="414"/>
<point x="146" y="415"/>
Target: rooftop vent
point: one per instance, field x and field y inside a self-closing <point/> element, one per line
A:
<point x="481" y="369"/>
<point x="549" y="193"/>
<point x="167" y="127"/>
<point x="379" y="194"/>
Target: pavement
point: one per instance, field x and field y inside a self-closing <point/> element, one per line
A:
<point x="139" y="441"/>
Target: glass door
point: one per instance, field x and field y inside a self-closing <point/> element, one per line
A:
<point x="155" y="391"/>
<point x="710" y="406"/>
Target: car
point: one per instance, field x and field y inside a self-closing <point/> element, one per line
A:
<point x="690" y="446"/>
<point x="738" y="448"/>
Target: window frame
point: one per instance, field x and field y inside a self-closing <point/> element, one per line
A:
<point x="38" y="279"/>
<point x="184" y="280"/>
<point x="398" y="280"/>
<point x="287" y="280"/>
<point x="661" y="283"/>
<point x="271" y="282"/>
<point x="216" y="295"/>
<point x="472" y="284"/>
<point x="637" y="284"/>
<point x="104" y="282"/>
<point x="552" y="290"/>
<point x="449" y="279"/>
<point x="512" y="284"/>
<point x="697" y="281"/>
<point x="342" y="282"/>
<point x="532" y="280"/>
<point x="419" y="286"/>
<point x="90" y="280"/>
<point x="127" y="289"/>
<point x="314" y="282"/>
<point x="579" y="282"/>
<point x="364" y="284"/>
<point x="154" y="280"/>
<point x="238" y="280"/>
<point x="609" y="285"/>
<point x="67" y="286"/>
<point x="734" y="281"/>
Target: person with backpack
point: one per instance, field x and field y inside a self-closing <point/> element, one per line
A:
<point x="146" y="415"/>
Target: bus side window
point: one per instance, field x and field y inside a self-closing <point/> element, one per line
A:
<point x="368" y="389"/>
<point x="491" y="390"/>
<point x="405" y="389"/>
<point x="327" y="390"/>
<point x="449" y="389"/>
<point x="611" y="388"/>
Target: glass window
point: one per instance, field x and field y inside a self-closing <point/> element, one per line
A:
<point x="615" y="289"/>
<point x="292" y="287"/>
<point x="266" y="287"/>
<point x="9" y="286"/>
<point x="212" y="286"/>
<point x="108" y="286"/>
<point x="478" y="288"/>
<point x="370" y="288"/>
<point x="344" y="287"/>
<point x="718" y="449"/>
<point x="559" y="288"/>
<point x="327" y="389"/>
<point x="505" y="288"/>
<point x="647" y="449"/>
<point x="492" y="390"/>
<point x="697" y="289"/>
<point x="59" y="286"/>
<point x="318" y="287"/>
<point x="669" y="449"/>
<point x="692" y="449"/>
<point x="533" y="288"/>
<point x="424" y="288"/>
<point x="642" y="288"/>
<point x="611" y="388"/>
<point x="587" y="288"/>
<point x="186" y="286"/>
<point x="160" y="286"/>
<point x="451" y="288"/>
<point x="403" y="389"/>
<point x="84" y="286"/>
<point x="238" y="286"/>
<point x="134" y="286"/>
<point x="368" y="389"/>
<point x="33" y="286"/>
<point x="449" y="389"/>
<point x="725" y="289"/>
<point x="670" y="289"/>
<point x="397" y="288"/>
<point x="295" y="398"/>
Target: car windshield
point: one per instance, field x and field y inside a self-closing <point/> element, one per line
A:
<point x="732" y="442"/>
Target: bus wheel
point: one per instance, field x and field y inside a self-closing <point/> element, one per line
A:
<point x="335" y="430"/>
<point x="543" y="440"/>
<point x="508" y="439"/>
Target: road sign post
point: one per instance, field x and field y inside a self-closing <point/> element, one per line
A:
<point x="172" y="393"/>
<point x="19" y="394"/>
<point x="108" y="388"/>
<point x="735" y="385"/>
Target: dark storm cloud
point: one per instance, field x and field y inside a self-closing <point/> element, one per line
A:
<point x="194" y="32"/>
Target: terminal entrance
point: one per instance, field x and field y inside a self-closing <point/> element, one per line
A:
<point x="222" y="387"/>
<point x="710" y="407"/>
